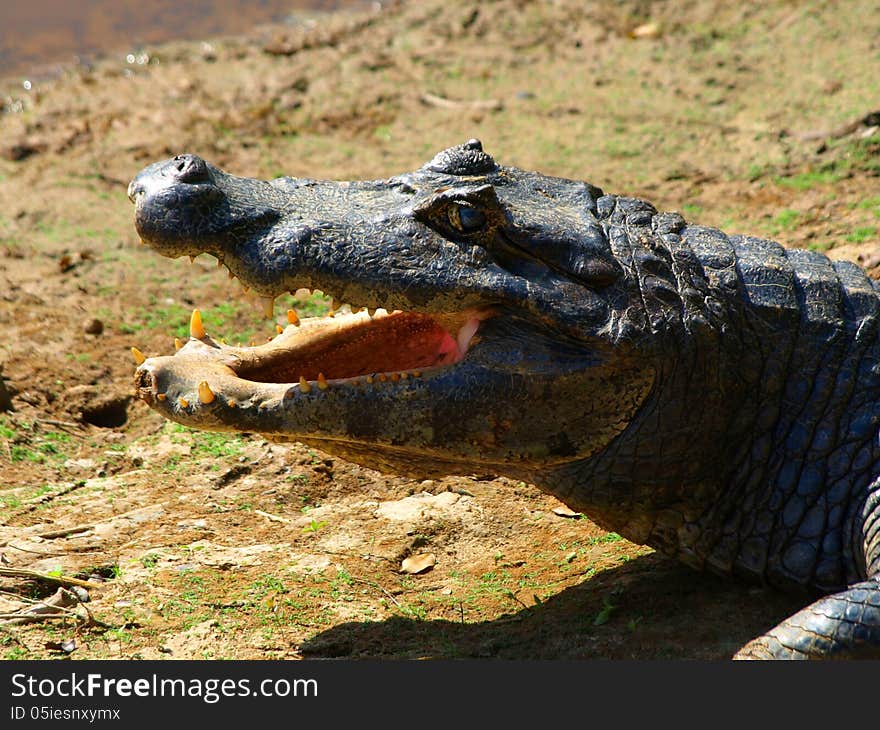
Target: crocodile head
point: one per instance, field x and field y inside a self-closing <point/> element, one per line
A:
<point x="496" y="325"/>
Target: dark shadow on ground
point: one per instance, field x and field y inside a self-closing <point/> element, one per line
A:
<point x="662" y="610"/>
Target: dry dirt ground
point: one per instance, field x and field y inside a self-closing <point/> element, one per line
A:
<point x="752" y="116"/>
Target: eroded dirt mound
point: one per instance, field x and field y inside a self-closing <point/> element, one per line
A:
<point x="193" y="545"/>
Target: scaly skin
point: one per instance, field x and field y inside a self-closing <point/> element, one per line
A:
<point x="712" y="396"/>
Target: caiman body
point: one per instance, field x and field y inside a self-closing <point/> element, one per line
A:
<point x="715" y="397"/>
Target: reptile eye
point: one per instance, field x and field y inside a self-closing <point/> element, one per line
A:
<point x="466" y="219"/>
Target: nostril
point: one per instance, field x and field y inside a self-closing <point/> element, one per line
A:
<point x="189" y="168"/>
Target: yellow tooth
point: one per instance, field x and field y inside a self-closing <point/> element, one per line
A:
<point x="196" y="328"/>
<point x="304" y="386"/>
<point x="161" y="396"/>
<point x="184" y="403"/>
<point x="138" y="356"/>
<point x="279" y="329"/>
<point x="223" y="341"/>
<point x="177" y="343"/>
<point x="269" y="306"/>
<point x="231" y="403"/>
<point x="322" y="382"/>
<point x="292" y="317"/>
<point x="417" y="373"/>
<point x="395" y="377"/>
<point x="371" y="312"/>
<point x="245" y="288"/>
<point x="206" y="395"/>
<point x="404" y="376"/>
<point x="334" y="305"/>
<point x="230" y="274"/>
<point x="369" y="379"/>
<point x="382" y="377"/>
<point x="192" y="259"/>
<point x="219" y="263"/>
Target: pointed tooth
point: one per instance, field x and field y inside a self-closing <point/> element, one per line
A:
<point x="395" y="377"/>
<point x="196" y="328"/>
<point x="279" y="329"/>
<point x="245" y="288"/>
<point x="292" y="317"/>
<point x="138" y="356"/>
<point x="223" y="341"/>
<point x="177" y="343"/>
<point x="417" y="373"/>
<point x="230" y="274"/>
<point x="161" y="396"/>
<point x="269" y="306"/>
<point x="334" y="304"/>
<point x="192" y="259"/>
<point x="322" y="382"/>
<point x="382" y="377"/>
<point x="304" y="386"/>
<point x="184" y="403"/>
<point x="206" y="395"/>
<point x="219" y="263"/>
<point x="369" y="379"/>
<point x="370" y="311"/>
<point x="231" y="402"/>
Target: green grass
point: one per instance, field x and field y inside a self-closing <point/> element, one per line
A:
<point x="6" y="431"/>
<point x="784" y="220"/>
<point x="35" y="447"/>
<point x="317" y="305"/>
<point x="872" y="204"/>
<point x="207" y="444"/>
<point x="809" y="180"/>
<point x="172" y="319"/>
<point x="861" y="235"/>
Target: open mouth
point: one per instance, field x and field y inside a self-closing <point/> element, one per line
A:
<point x="356" y="345"/>
<point x="340" y="348"/>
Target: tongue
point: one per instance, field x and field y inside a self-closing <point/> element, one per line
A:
<point x="452" y="350"/>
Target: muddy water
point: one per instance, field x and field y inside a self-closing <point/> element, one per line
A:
<point x="38" y="35"/>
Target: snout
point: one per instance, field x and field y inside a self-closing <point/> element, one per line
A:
<point x="182" y="169"/>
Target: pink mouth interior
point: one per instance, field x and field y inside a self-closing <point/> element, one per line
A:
<point x="402" y="341"/>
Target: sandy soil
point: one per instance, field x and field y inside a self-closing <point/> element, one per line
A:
<point x="199" y="546"/>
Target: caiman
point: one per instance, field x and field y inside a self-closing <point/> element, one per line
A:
<point x="713" y="396"/>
